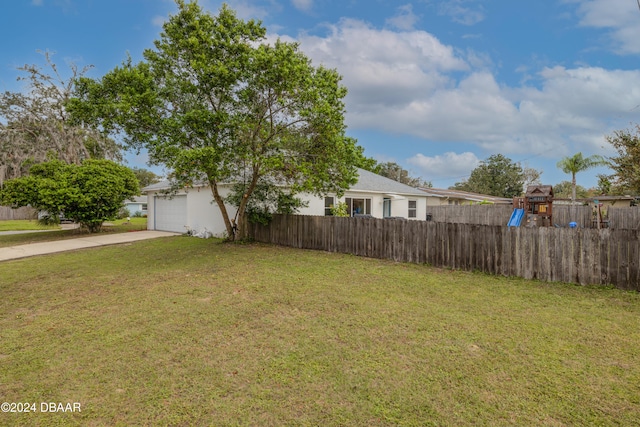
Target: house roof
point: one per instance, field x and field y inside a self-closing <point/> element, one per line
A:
<point x="162" y="185"/>
<point x="367" y="182"/>
<point x="371" y="182"/>
<point x="465" y="195"/>
<point x="137" y="199"/>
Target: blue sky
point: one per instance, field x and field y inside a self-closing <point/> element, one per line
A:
<point x="435" y="85"/>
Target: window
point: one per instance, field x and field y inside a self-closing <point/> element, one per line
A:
<point x="328" y="204"/>
<point x="413" y="209"/>
<point x="144" y="206"/>
<point x="386" y="208"/>
<point x="358" y="206"/>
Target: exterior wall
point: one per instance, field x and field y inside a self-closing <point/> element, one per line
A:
<point x="316" y="204"/>
<point x="399" y="206"/>
<point x="135" y="207"/>
<point x="201" y="212"/>
<point x="435" y="201"/>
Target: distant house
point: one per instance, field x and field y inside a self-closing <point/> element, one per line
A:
<point x="438" y="197"/>
<point x="605" y="201"/>
<point x="136" y="206"/>
<point x="195" y="209"/>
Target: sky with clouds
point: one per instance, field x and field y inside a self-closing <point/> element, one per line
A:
<point x="434" y="85"/>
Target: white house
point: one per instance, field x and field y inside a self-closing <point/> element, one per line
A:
<point x="195" y="209"/>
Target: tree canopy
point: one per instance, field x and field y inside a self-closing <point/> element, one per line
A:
<point x="626" y="165"/>
<point x="35" y="125"/>
<point x="89" y="193"/>
<point x="394" y="171"/>
<point x="564" y="190"/>
<point x="496" y="176"/>
<point x="145" y="176"/>
<point x="215" y="103"/>
<point x="578" y="163"/>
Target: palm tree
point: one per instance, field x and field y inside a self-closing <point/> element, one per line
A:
<point x="578" y="163"/>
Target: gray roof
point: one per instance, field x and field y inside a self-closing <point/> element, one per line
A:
<point x="162" y="185"/>
<point x="367" y="182"/>
<point x="137" y="199"/>
<point x="466" y="195"/>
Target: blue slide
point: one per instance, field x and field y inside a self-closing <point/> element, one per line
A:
<point x="516" y="218"/>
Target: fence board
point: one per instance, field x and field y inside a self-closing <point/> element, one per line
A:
<point x="8" y="213"/>
<point x="620" y="218"/>
<point x="624" y="218"/>
<point x="580" y="255"/>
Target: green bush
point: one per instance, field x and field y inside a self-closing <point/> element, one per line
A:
<point x="89" y="194"/>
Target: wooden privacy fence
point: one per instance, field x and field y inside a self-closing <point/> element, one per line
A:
<point x="581" y="215"/>
<point x="620" y="218"/>
<point x="471" y="214"/>
<point x="7" y="213"/>
<point x="624" y="218"/>
<point x="574" y="255"/>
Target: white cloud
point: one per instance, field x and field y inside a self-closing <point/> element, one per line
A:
<point x="382" y="68"/>
<point x="405" y="19"/>
<point x="448" y="165"/>
<point x="621" y="17"/>
<point x="303" y="5"/>
<point x="460" y="13"/>
<point x="410" y="83"/>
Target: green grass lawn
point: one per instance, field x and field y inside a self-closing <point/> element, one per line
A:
<point x="24" y="224"/>
<point x="184" y="331"/>
<point x="119" y="226"/>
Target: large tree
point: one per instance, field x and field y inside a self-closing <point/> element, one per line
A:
<point x="34" y="125"/>
<point x="89" y="193"/>
<point x="565" y="189"/>
<point x="626" y="165"/>
<point x="394" y="171"/>
<point x="496" y="176"/>
<point x="578" y="163"/>
<point x="145" y="176"/>
<point x="213" y="102"/>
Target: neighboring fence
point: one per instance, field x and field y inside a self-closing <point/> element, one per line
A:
<point x="20" y="213"/>
<point x="471" y="214"/>
<point x="574" y="255"/>
<point x="623" y="218"/>
<point x="500" y="214"/>
<point x="562" y="215"/>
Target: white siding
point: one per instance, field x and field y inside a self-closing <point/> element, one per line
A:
<point x="399" y="204"/>
<point x="194" y="209"/>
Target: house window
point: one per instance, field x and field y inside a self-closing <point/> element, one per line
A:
<point x="358" y="206"/>
<point x="413" y="209"/>
<point x="386" y="208"/>
<point x="144" y="206"/>
<point x="328" y="204"/>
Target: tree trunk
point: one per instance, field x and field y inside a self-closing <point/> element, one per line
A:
<point x="573" y="188"/>
<point x="231" y="229"/>
<point x="245" y="197"/>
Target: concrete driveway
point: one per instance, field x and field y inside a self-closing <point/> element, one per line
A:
<point x="33" y="249"/>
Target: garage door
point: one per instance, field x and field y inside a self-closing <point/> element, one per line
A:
<point x="171" y="214"/>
